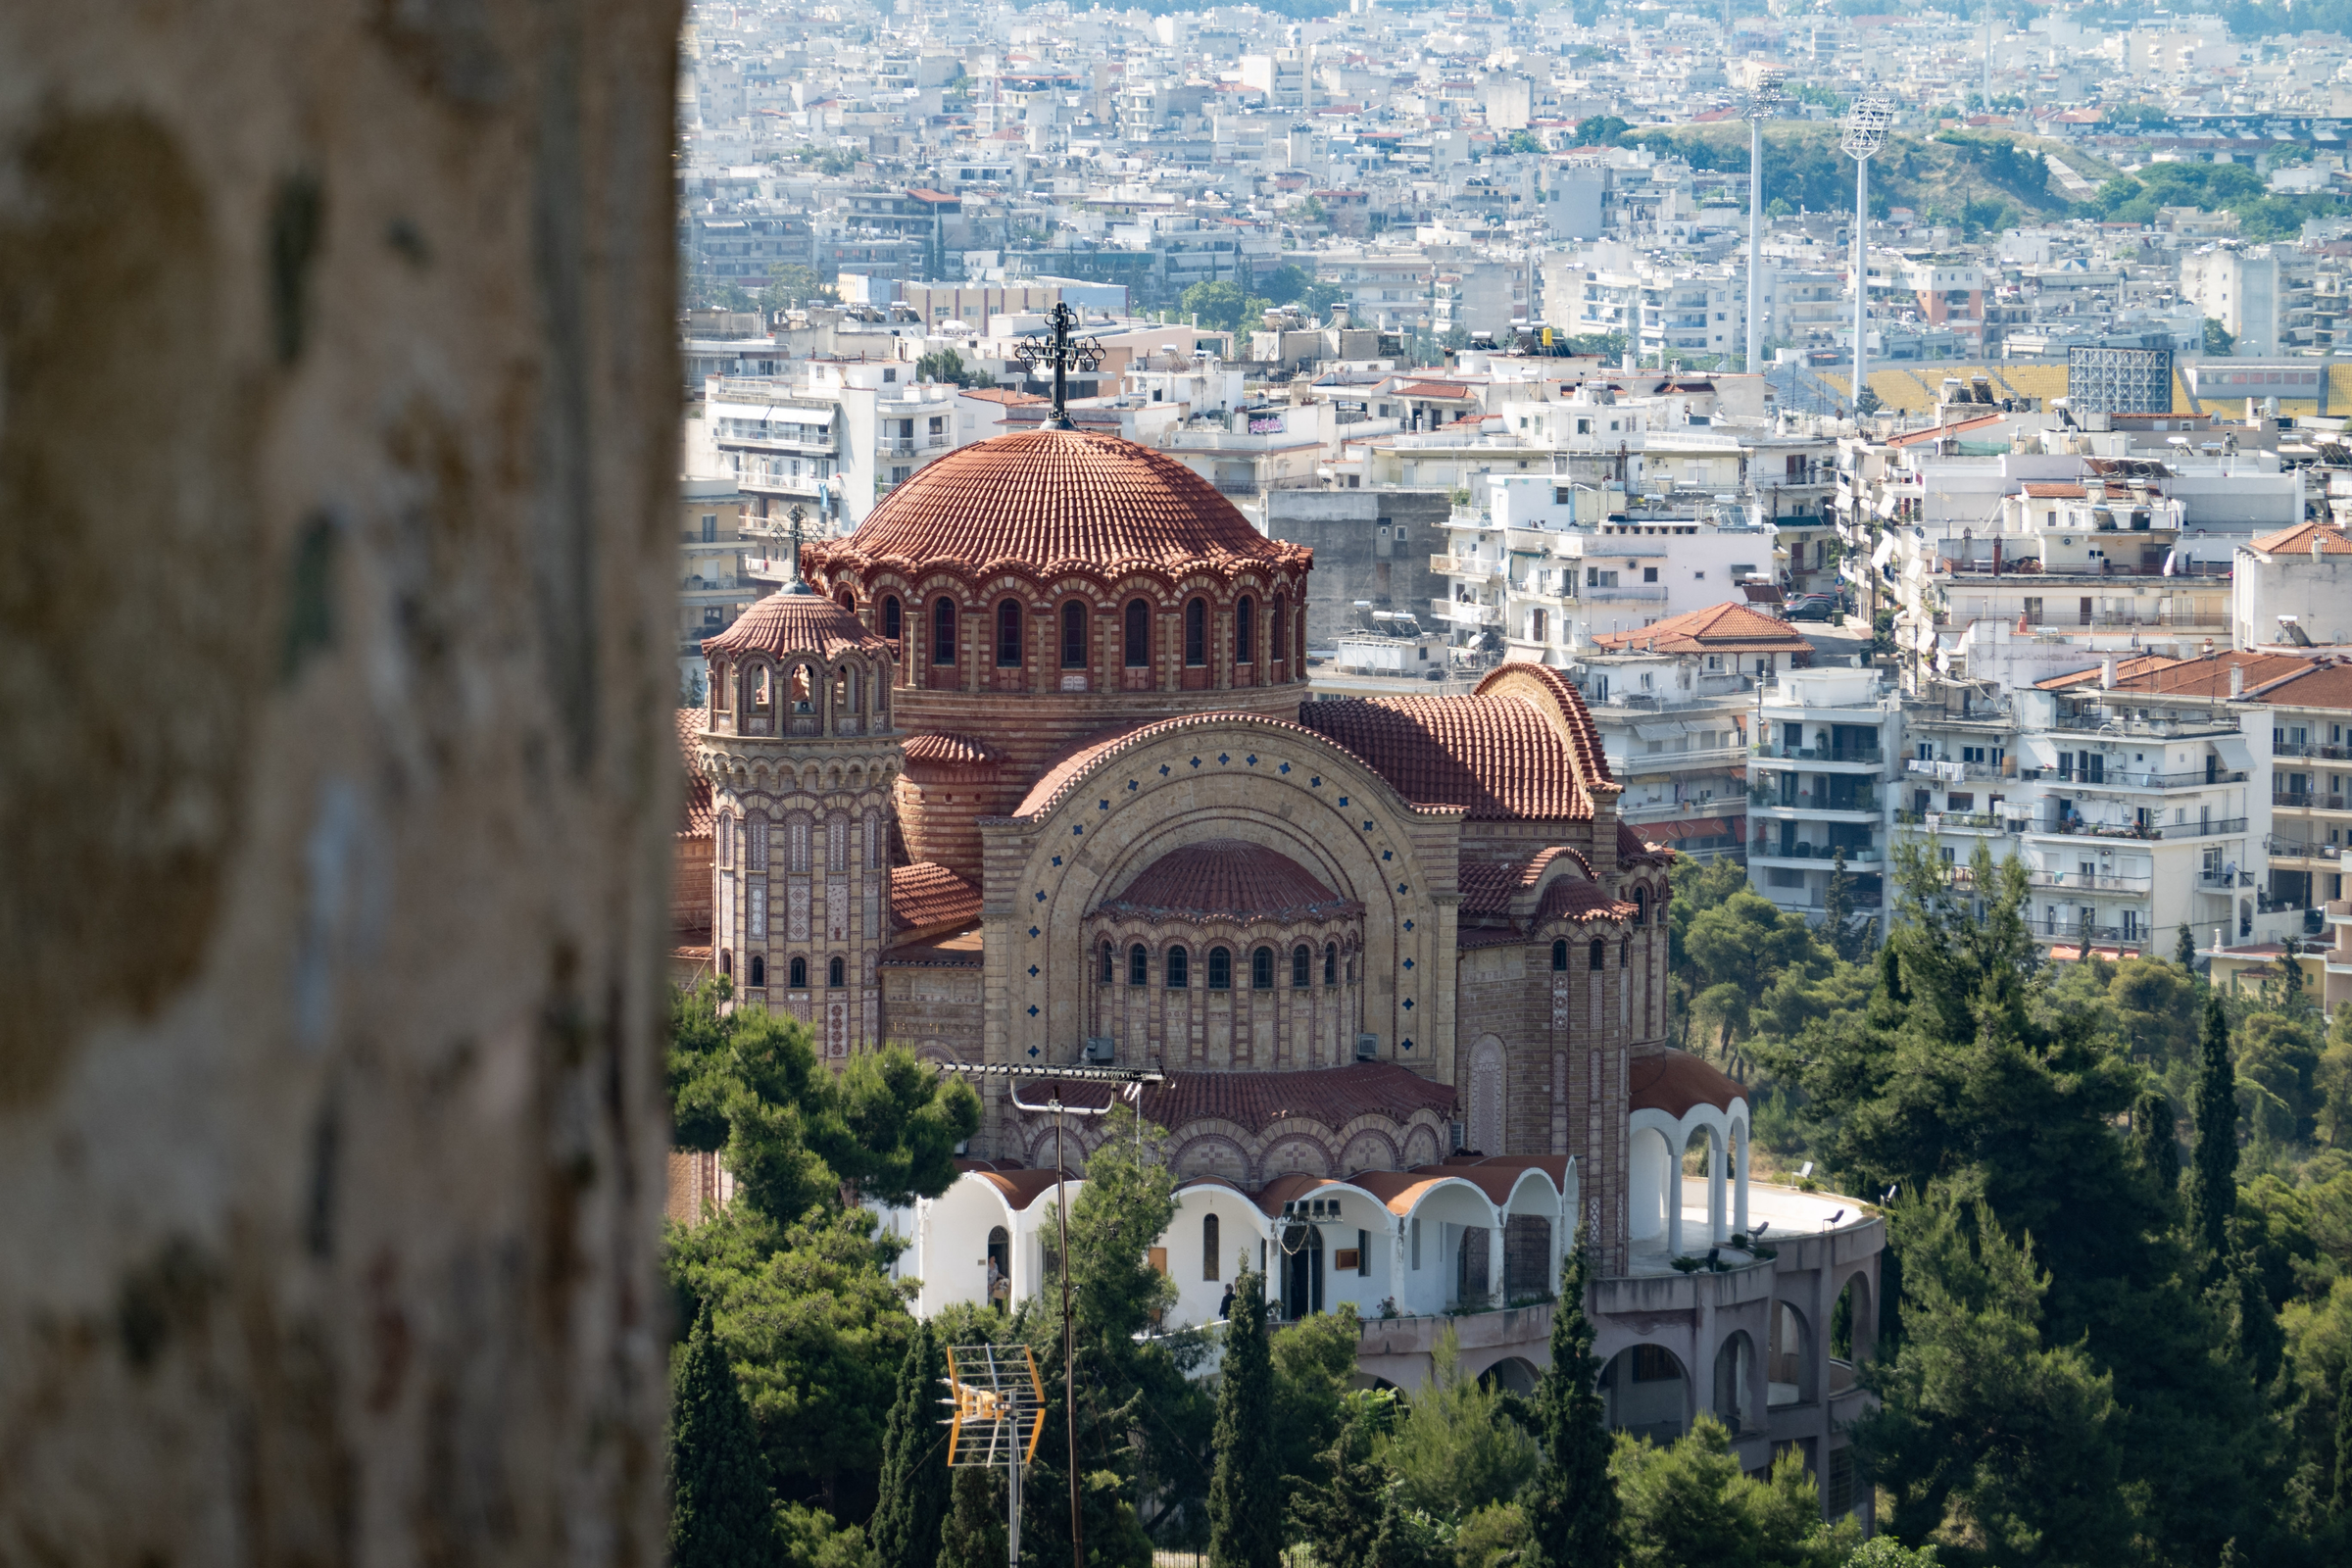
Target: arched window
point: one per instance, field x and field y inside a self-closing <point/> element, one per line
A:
<point x="1009" y="635"/>
<point x="893" y="618"/>
<point x="1599" y="958"/>
<point x="1180" y="968"/>
<point x="1302" y="965"/>
<point x="1331" y="963"/>
<point x="758" y="970"/>
<point x="1139" y="634"/>
<point x="1261" y="969"/>
<point x="1244" y="631"/>
<point x="1073" y="636"/>
<point x="834" y="972"/>
<point x="722" y="677"/>
<point x="726" y="961"/>
<point x="762" y="689"/>
<point x="1196" y="632"/>
<point x="1641" y="906"/>
<point x="798" y="974"/>
<point x="803" y="689"/>
<point x="1110" y="964"/>
<point x="847" y="601"/>
<point x="1625" y="953"/>
<point x="726" y="839"/>
<point x="1220" y="969"/>
<point x="942" y="632"/>
<point x="1139" y="965"/>
<point x="1209" y="1246"/>
<point x="1278" y="630"/>
<point x="1559" y="954"/>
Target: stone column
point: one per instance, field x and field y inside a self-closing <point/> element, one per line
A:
<point x="1674" y="1203"/>
<point x="332" y="1198"/>
<point x="1740" y="1160"/>
<point x="1494" y="1284"/>
<point x="1717" y="1156"/>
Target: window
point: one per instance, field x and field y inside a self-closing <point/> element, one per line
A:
<point x="1009" y="635"/>
<point x="1220" y="969"/>
<point x="834" y="972"/>
<point x="709" y="527"/>
<point x="1245" y="630"/>
<point x="1139" y="965"/>
<point x="1278" y="632"/>
<point x="1649" y="574"/>
<point x="893" y="620"/>
<point x="1261" y="969"/>
<point x="1073" y="636"/>
<point x="1209" y="1246"/>
<point x="942" y="632"/>
<point x="1560" y="956"/>
<point x="1180" y="968"/>
<point x="1110" y="964"/>
<point x="758" y="970"/>
<point x="1139" y="634"/>
<point x="1303" y="963"/>
<point x="1331" y="963"/>
<point x="1625" y="953"/>
<point x="1641" y="906"/>
<point x="726" y="962"/>
<point x="1599" y="958"/>
<point x="798" y="974"/>
<point x="1196" y="632"/>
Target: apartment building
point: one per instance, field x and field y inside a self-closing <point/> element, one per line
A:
<point x="2292" y="588"/>
<point x="2310" y="721"/>
<point x="1819" y="768"/>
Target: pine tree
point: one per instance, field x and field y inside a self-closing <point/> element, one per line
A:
<point x="913" y="1503"/>
<point x="973" y="1536"/>
<point x="1342" y="1520"/>
<point x="1244" y="1527"/>
<point x="1572" y="1507"/>
<point x="2213" y="1180"/>
<point x="1838" y="906"/>
<point x="720" y="1505"/>
<point x="2292" y="978"/>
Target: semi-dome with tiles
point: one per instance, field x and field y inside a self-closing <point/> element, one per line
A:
<point x="1228" y="879"/>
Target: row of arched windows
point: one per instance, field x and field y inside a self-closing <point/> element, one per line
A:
<point x="796" y="971"/>
<point x="1176" y="967"/>
<point x="1596" y="956"/>
<point x="1077" y="619"/>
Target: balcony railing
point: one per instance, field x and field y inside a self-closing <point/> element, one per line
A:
<point x="2120" y="778"/>
<point x="2075" y="931"/>
<point x="1870" y="755"/>
<point x="2224" y="881"/>
<point x="2309" y="801"/>
<point x="906" y="446"/>
<point x="2088" y="881"/>
<point x="2075" y="826"/>
<point x="1949" y="819"/>
<point x="1769" y="848"/>
<point x="2319" y="750"/>
<point x="1863" y="801"/>
<point x="1465" y="612"/>
<point x="2304" y="848"/>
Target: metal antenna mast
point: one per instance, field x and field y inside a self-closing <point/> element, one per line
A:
<point x="1866" y="125"/>
<point x="1127" y="1083"/>
<point x="1762" y="99"/>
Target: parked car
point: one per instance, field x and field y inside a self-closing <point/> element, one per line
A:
<point x="1813" y="607"/>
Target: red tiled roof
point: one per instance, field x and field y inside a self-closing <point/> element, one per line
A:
<point x="1631" y="851"/>
<point x="2188" y="678"/>
<point x="1046" y="501"/>
<point x="1256" y="1101"/>
<point x="2322" y="683"/>
<point x="1953" y="428"/>
<point x="695" y="817"/>
<point x="1728" y="627"/>
<point x="1494" y="757"/>
<point x="1454" y="390"/>
<point x="1228" y="879"/>
<point x="2053" y="491"/>
<point x="948" y="751"/>
<point x="789" y="623"/>
<point x="1686" y="827"/>
<point x="1572" y="898"/>
<point x="1673" y="1081"/>
<point x="1487" y="889"/>
<point x="2296" y="541"/>
<point x="924" y="895"/>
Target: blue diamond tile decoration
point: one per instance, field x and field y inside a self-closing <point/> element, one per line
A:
<point x="1196" y="761"/>
<point x="1367" y="824"/>
<point x="1077" y="830"/>
<point x="1104" y="806"/>
<point x="1343" y="800"/>
<point x="1163" y="770"/>
<point x="1399" y="888"/>
<point x="1315" y="782"/>
<point x="1131" y="783"/>
<point x="1032" y="1050"/>
<point x="1033" y="1010"/>
<point x="1252" y="759"/>
<point x="1409" y="925"/>
<point x="1284" y="769"/>
<point x="1223" y="758"/>
<point x="1408" y="1005"/>
<point x="1041" y="894"/>
<point x="1033" y="971"/>
<point x="1387" y="854"/>
<point x="1409" y="963"/>
<point x="1033" y="930"/>
<point x="1406" y="1043"/>
<point x="1058" y="860"/>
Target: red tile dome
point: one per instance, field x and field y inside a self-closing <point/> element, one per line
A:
<point x="1045" y="501"/>
<point x="1227" y="879"/>
<point x="789" y="623"/>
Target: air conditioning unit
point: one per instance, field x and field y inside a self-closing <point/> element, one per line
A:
<point x="1367" y="1048"/>
<point x="1100" y="1049"/>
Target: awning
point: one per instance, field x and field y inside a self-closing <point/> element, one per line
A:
<point x="1688" y="827"/>
<point x="2234" y="753"/>
<point x="1658" y="732"/>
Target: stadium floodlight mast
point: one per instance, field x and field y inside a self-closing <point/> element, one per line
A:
<point x="1866" y="125"/>
<point x="1762" y="100"/>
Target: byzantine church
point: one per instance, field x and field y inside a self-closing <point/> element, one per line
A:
<point x="1027" y="772"/>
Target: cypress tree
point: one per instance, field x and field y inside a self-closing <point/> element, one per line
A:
<point x="973" y="1536"/>
<point x="2213" y="1181"/>
<point x="720" y="1511"/>
<point x="1838" y="906"/>
<point x="2156" y="1146"/>
<point x="1572" y="1506"/>
<point x="2341" y="1505"/>
<point x="2185" y="952"/>
<point x="1245" y="1525"/>
<point x="913" y="1503"/>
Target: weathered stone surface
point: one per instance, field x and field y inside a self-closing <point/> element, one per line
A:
<point x="336" y="424"/>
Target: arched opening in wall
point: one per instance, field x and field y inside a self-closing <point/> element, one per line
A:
<point x="844" y="701"/>
<point x="1735" y="1374"/>
<point x="847" y="601"/>
<point x="1331" y="963"/>
<point x="1244" y="631"/>
<point x="996" y="1266"/>
<point x="800" y="701"/>
<point x="1261" y="969"/>
<point x="1643" y="1391"/>
<point x="943" y="633"/>
<point x="723" y="677"/>
<point x="1514" y="1373"/>
<point x="1009" y="635"/>
<point x="1073" y="636"/>
<point x="836" y="973"/>
<point x="1196" y="633"/>
<point x="1527" y="1260"/>
<point x="1853" y="1333"/>
<point x="1220" y="969"/>
<point x="797" y="973"/>
<point x="1787" y="1369"/>
<point x="1180" y="969"/>
<point x="1473" y="1269"/>
<point x="1211" y="1260"/>
<point x="1649" y="1176"/>
<point x="894" y="617"/>
<point x="1485" y="1130"/>
<point x="1641" y="906"/>
<point x="758" y="974"/>
<point x="1278" y="634"/>
<point x="1697" y="1151"/>
<point x="1139" y="965"/>
<point x="1597" y="956"/>
<point x="1302" y="966"/>
<point x="726" y="961"/>
<point x="759" y="699"/>
<point x="1136" y="641"/>
<point x="1302" y="1265"/>
<point x="1560" y="956"/>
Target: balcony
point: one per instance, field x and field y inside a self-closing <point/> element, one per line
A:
<point x="2304" y="848"/>
<point x="2125" y="779"/>
<point x="2318" y="749"/>
<point x="908" y="445"/>
<point x="1813" y="802"/>
<point x="2222" y="881"/>
<point x="1466" y="613"/>
<point x="1465" y="567"/>
<point x="1626" y="594"/>
<point x="1862" y="755"/>
<point x="2076" y="827"/>
<point x="2088" y="881"/>
<point x="1765" y="847"/>
<point x="1984" y="821"/>
<point x="2309" y="801"/>
<point x="2074" y="931"/>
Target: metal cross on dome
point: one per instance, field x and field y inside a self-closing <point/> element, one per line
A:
<point x="1065" y="354"/>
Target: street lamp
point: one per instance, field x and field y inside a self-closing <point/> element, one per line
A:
<point x="1865" y="133"/>
<point x="1763" y="99"/>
